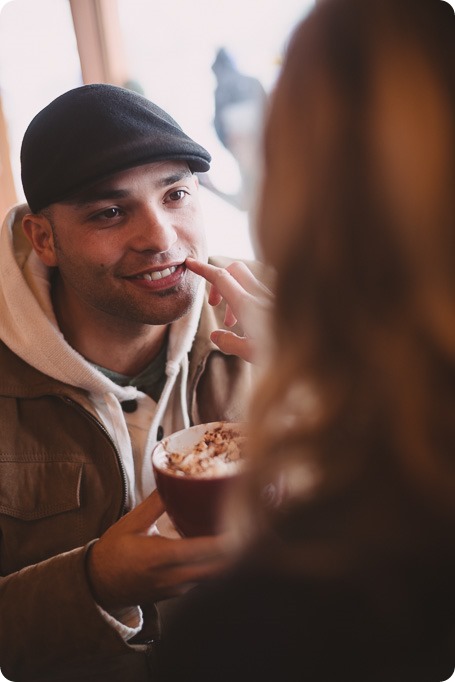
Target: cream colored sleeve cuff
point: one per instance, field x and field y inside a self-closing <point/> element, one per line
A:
<point x="127" y="621"/>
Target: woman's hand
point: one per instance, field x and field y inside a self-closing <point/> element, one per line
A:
<point x="248" y="302"/>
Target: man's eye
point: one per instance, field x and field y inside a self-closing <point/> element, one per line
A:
<point x="177" y="195"/>
<point x="108" y="213"/>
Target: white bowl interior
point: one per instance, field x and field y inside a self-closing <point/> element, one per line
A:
<point x="184" y="441"/>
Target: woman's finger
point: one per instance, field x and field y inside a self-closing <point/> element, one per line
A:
<point x="239" y="271"/>
<point x="248" y="302"/>
<point x="229" y="318"/>
<point x="243" y="275"/>
<point x="224" y="283"/>
<point x="231" y="344"/>
<point x="215" y="297"/>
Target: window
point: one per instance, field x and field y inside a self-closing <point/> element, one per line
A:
<point x="38" y="61"/>
<point x="171" y="49"/>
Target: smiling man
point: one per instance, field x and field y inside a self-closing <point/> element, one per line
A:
<point x="119" y="250"/>
<point x="105" y="347"/>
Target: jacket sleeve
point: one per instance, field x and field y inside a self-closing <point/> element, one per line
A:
<point x="49" y="619"/>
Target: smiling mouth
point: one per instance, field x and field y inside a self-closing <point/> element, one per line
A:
<point x="157" y="274"/>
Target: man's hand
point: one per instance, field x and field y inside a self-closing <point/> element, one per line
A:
<point x="248" y="302"/>
<point x="129" y="565"/>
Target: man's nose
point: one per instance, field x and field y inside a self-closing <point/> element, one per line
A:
<point x="154" y="231"/>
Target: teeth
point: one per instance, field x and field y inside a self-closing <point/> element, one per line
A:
<point x="158" y="274"/>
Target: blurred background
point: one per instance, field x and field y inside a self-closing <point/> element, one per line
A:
<point x="211" y="65"/>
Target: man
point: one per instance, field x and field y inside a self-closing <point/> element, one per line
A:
<point x="105" y="347"/>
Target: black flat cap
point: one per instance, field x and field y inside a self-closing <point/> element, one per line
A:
<point x="93" y="131"/>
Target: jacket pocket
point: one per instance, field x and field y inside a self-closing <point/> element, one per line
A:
<point x="35" y="490"/>
<point x="41" y="513"/>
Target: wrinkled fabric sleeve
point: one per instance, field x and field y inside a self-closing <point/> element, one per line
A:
<point x="50" y="620"/>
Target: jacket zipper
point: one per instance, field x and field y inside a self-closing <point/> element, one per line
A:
<point x="102" y="428"/>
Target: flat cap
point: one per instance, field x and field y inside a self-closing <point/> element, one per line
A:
<point x="93" y="131"/>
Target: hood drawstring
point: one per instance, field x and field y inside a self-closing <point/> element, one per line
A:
<point x="172" y="370"/>
<point x="183" y="392"/>
<point x="181" y="339"/>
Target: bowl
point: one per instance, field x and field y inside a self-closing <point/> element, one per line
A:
<point x="195" y="470"/>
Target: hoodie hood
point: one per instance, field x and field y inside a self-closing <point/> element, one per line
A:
<point x="30" y="330"/>
<point x="25" y="305"/>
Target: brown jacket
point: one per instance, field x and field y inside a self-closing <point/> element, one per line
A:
<point x="62" y="486"/>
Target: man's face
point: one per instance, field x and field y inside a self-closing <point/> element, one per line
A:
<point x="120" y="247"/>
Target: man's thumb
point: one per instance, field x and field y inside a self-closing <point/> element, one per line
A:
<point x="145" y="514"/>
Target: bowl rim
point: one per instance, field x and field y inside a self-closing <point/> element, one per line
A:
<point x="160" y="449"/>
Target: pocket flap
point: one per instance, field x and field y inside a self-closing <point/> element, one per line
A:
<point x="33" y="490"/>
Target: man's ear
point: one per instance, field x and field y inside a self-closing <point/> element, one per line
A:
<point x="39" y="232"/>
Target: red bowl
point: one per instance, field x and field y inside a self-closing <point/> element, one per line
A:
<point x="194" y="504"/>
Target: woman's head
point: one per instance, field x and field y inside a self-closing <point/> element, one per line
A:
<point x="357" y="214"/>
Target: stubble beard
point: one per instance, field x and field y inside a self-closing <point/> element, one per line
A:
<point x="165" y="306"/>
<point x="124" y="308"/>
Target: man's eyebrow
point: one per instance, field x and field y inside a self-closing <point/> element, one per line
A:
<point x="91" y="196"/>
<point x="94" y="194"/>
<point x="174" y="177"/>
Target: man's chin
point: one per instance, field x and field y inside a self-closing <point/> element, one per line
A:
<point x="175" y="310"/>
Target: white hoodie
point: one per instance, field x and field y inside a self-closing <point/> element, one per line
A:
<point x="29" y="328"/>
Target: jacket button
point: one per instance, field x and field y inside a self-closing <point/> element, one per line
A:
<point x="129" y="405"/>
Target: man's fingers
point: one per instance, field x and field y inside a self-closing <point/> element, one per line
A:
<point x="144" y="515"/>
<point x="193" y="551"/>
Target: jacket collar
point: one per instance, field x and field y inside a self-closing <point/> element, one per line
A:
<point x="18" y="379"/>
